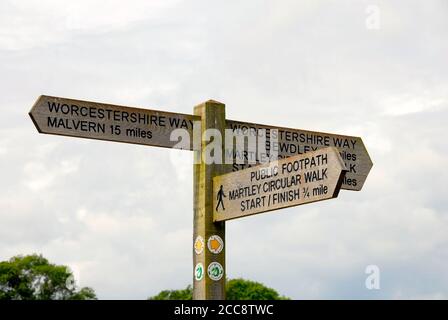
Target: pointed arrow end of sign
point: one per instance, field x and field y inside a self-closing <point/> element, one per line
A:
<point x="34" y="121"/>
<point x="368" y="163"/>
<point x="343" y="171"/>
<point x="339" y="183"/>
<point x="33" y="110"/>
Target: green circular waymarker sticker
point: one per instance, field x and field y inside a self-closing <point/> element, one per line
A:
<point x="215" y="271"/>
<point x="199" y="272"/>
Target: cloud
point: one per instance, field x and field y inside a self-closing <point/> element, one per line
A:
<point x="27" y="24"/>
<point x="409" y="103"/>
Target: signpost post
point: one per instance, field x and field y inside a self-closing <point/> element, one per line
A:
<point x="208" y="236"/>
<point x="304" y="167"/>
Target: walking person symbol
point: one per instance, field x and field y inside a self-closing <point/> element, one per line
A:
<point x="219" y="198"/>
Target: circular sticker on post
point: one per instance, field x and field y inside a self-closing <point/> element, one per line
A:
<point x="199" y="272"/>
<point x="199" y="245"/>
<point x="215" y="271"/>
<point x="215" y="244"/>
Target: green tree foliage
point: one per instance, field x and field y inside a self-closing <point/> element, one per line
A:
<point x="32" y="277"/>
<point x="236" y="289"/>
<point x="183" y="294"/>
<point x="240" y="289"/>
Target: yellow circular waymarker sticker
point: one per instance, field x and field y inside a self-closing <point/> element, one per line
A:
<point x="199" y="245"/>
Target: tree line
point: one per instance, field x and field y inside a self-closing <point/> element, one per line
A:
<point x="33" y="277"/>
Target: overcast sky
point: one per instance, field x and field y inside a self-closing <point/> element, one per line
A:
<point x="121" y="216"/>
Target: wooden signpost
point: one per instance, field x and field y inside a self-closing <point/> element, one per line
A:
<point x="92" y="120"/>
<point x="314" y="176"/>
<point x="304" y="167"/>
<point x="288" y="142"/>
